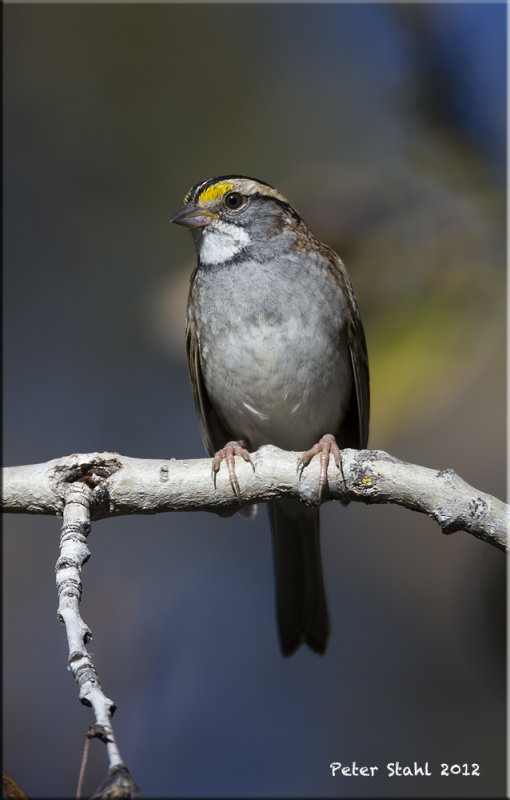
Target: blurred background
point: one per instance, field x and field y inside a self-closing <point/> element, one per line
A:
<point x="385" y="126"/>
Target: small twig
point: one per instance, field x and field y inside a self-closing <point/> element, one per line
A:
<point x="83" y="767"/>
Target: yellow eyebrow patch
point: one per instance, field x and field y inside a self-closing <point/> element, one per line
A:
<point x="214" y="191"/>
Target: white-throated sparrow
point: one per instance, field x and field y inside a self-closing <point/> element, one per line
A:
<point x="277" y="355"/>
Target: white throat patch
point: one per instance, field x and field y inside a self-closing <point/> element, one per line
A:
<point x="222" y="242"/>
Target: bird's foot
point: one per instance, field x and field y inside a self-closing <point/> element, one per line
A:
<point x="326" y="446"/>
<point x="228" y="454"/>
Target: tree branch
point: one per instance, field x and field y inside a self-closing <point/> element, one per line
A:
<point x="74" y="553"/>
<point x="122" y="485"/>
<point x="84" y="487"/>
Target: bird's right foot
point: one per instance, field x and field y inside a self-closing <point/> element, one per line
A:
<point x="228" y="454"/>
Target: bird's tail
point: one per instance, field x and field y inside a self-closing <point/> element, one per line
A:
<point x="300" y="597"/>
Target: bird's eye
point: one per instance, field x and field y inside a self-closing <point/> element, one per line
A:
<point x="233" y="201"/>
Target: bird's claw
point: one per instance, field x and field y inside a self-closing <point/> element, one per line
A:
<point x="228" y="454"/>
<point x="326" y="446"/>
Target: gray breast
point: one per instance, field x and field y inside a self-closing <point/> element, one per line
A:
<point x="273" y="350"/>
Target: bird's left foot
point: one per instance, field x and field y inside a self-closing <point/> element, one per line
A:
<point x="326" y="446"/>
<point x="228" y="454"/>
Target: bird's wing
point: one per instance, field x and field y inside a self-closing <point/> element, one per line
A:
<point x="354" y="430"/>
<point x="214" y="433"/>
<point x="360" y="398"/>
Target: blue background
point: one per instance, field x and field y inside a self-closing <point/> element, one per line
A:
<point x="385" y="125"/>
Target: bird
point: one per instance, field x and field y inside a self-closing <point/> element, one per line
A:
<point x="277" y="355"/>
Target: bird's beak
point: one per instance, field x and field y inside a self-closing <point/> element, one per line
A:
<point x="191" y="216"/>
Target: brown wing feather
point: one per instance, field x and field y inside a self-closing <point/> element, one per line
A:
<point x="354" y="431"/>
<point x="360" y="398"/>
<point x="214" y="433"/>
